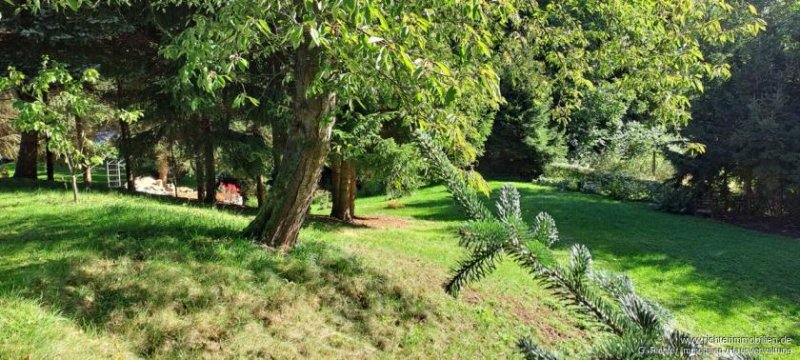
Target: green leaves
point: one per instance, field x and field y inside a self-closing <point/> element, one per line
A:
<point x="55" y="104"/>
<point x="74" y="5"/>
<point x="90" y="76"/>
<point x="129" y="116"/>
<point x="315" y="36"/>
<point x="396" y="50"/>
<point x="569" y="47"/>
<point x="263" y="27"/>
<point x="240" y="100"/>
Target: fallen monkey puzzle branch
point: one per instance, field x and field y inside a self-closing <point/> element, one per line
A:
<point x="637" y="328"/>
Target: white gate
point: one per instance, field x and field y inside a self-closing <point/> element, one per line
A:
<point x="114" y="173"/>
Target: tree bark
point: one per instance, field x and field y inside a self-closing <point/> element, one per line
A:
<point x="125" y="136"/>
<point x="344" y="190"/>
<point x="49" y="161"/>
<point x="26" y="159"/>
<point x="307" y="142"/>
<point x="162" y="162"/>
<point x="80" y="142"/>
<point x="351" y="200"/>
<point x="74" y="188"/>
<point x="87" y="176"/>
<point x="279" y="133"/>
<point x="261" y="190"/>
<point x="200" y="179"/>
<point x="210" y="168"/>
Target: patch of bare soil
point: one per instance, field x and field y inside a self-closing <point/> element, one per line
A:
<point x="372" y="222"/>
<point x="539" y="315"/>
<point x="536" y="315"/>
<point x="382" y="222"/>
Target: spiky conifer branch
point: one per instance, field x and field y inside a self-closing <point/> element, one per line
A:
<point x="459" y="189"/>
<point x="608" y="299"/>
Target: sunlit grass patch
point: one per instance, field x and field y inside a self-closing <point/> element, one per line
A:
<point x="134" y="277"/>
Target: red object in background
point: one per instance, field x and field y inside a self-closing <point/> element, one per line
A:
<point x="229" y="188"/>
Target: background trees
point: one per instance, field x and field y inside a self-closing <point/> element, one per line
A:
<point x="585" y="69"/>
<point x="750" y="124"/>
<point x="121" y="44"/>
<point x="9" y="136"/>
<point x="250" y="88"/>
<point x="328" y="43"/>
<point x="579" y="78"/>
<point x="61" y="108"/>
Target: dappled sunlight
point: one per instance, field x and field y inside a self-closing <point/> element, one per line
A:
<point x="160" y="280"/>
<point x="183" y="282"/>
<point x="711" y="274"/>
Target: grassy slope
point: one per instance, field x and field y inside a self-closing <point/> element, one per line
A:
<point x="127" y="276"/>
<point x="718" y="279"/>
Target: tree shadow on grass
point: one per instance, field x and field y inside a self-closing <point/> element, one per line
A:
<point x="436" y="210"/>
<point x="698" y="263"/>
<point x="177" y="285"/>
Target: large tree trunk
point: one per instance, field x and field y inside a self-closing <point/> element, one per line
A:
<point x="307" y="142"/>
<point x="279" y="133"/>
<point x="200" y="179"/>
<point x="210" y="168"/>
<point x="261" y="190"/>
<point x="344" y="190"/>
<point x="26" y="159"/>
<point x="49" y="161"/>
<point x="125" y="136"/>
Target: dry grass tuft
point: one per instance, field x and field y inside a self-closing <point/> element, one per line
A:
<point x="394" y="204"/>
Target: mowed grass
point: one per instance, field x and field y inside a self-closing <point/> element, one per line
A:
<point x="132" y="277"/>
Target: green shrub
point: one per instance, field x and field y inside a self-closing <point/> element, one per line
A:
<point x="576" y="177"/>
<point x="677" y="199"/>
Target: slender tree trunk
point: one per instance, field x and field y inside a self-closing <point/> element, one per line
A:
<point x="163" y="168"/>
<point x="174" y="171"/>
<point x="351" y="200"/>
<point x="125" y="136"/>
<point x="74" y="188"/>
<point x="307" y="142"/>
<point x="49" y="161"/>
<point x="87" y="176"/>
<point x="26" y="159"/>
<point x="261" y="190"/>
<point x="199" y="174"/>
<point x="344" y="188"/>
<point x="80" y="142"/>
<point x="336" y="179"/>
<point x="210" y="168"/>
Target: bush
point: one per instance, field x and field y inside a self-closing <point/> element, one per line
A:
<point x="576" y="177"/>
<point x="677" y="199"/>
<point x="567" y="170"/>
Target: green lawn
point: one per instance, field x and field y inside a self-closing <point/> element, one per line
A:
<point x="61" y="173"/>
<point x="124" y="276"/>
